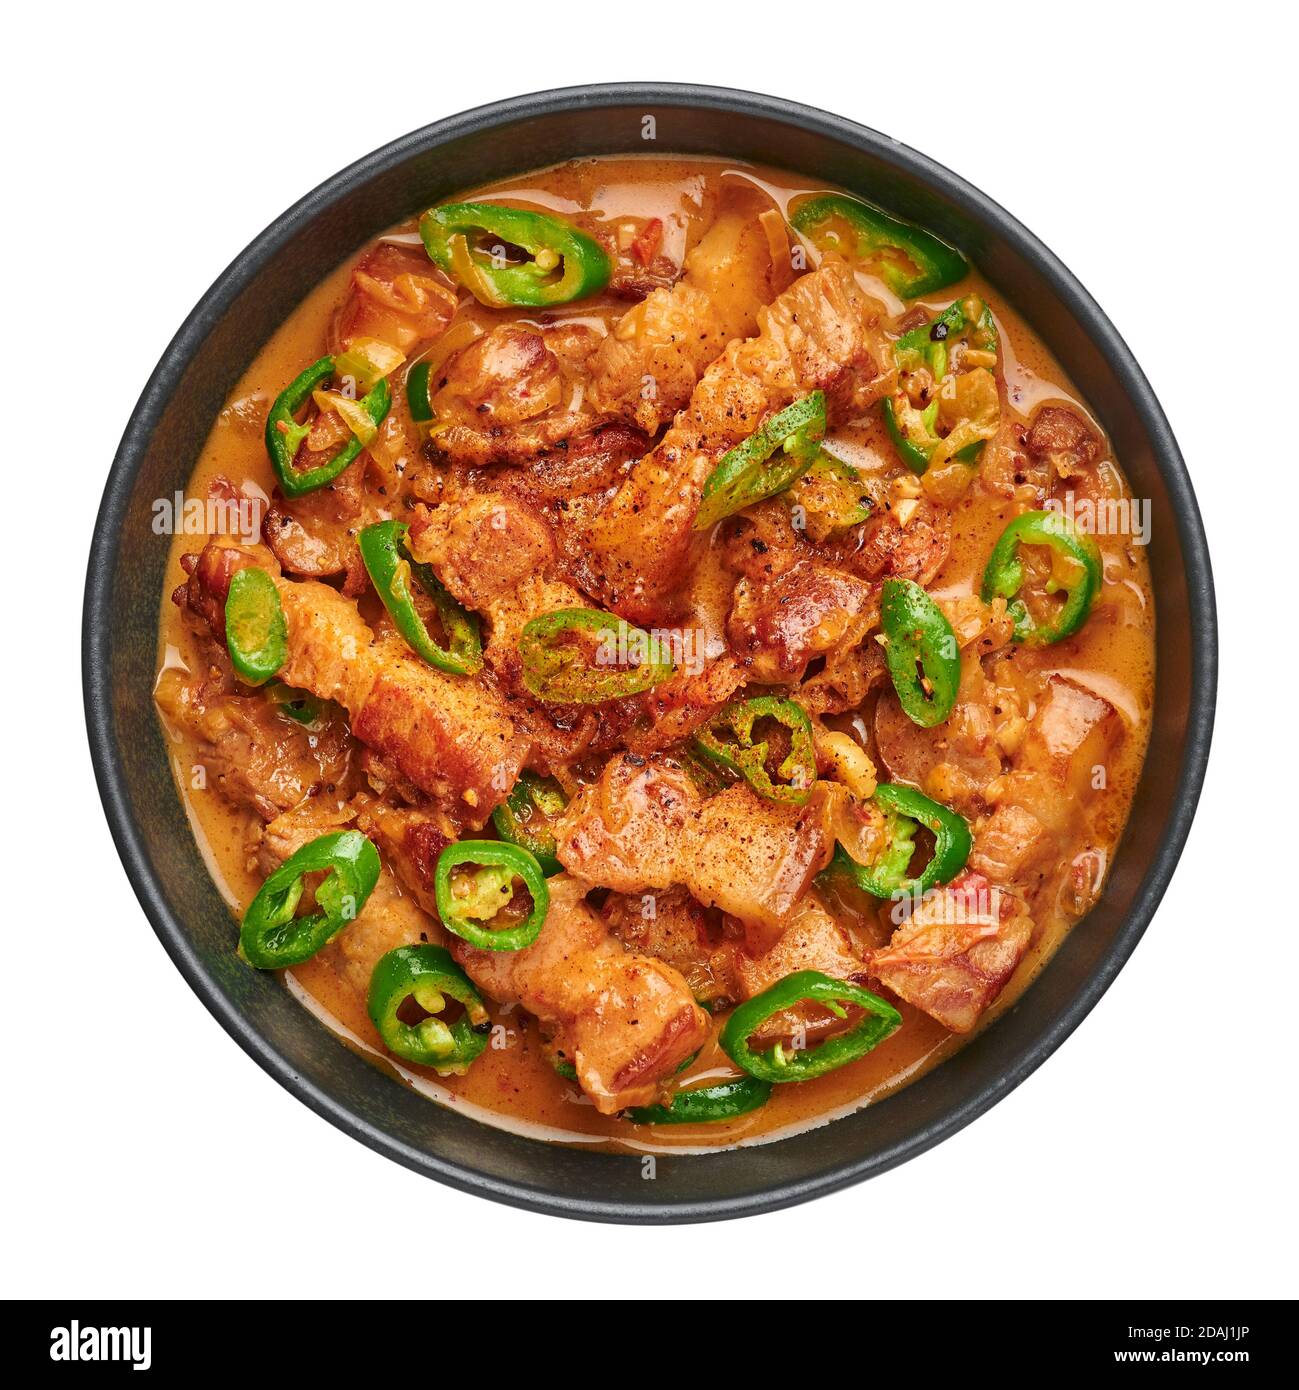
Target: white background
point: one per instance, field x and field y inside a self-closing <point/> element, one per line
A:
<point x="1152" y="147"/>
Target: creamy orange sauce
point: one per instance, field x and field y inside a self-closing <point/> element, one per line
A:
<point x="513" y="1084"/>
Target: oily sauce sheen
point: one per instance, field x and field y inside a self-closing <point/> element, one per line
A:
<point x="513" y="1084"/>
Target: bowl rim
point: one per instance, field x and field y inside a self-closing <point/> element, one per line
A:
<point x="105" y="544"/>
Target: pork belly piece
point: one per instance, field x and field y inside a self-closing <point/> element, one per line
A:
<point x="397" y="295"/>
<point x="496" y="555"/>
<point x="645" y="370"/>
<point x="1061" y="437"/>
<point x="891" y="548"/>
<point x="483" y="546"/>
<point x="253" y="755"/>
<point x="673" y="927"/>
<point x="410" y="839"/>
<point x="822" y="334"/>
<point x="779" y="625"/>
<point x="329" y="644"/>
<point x="955" y="953"/>
<point x="1058" y="444"/>
<point x="1010" y="844"/>
<point x="388" y="918"/>
<point x="560" y="486"/>
<point x="515" y="392"/>
<point x="1069" y="733"/>
<point x="554" y="482"/>
<point x="755" y="858"/>
<point x="521" y="390"/>
<point x="682" y="704"/>
<point x="1035" y="804"/>
<point x="813" y="940"/>
<point x="957" y="759"/>
<point x="626" y="1021"/>
<point x="451" y="737"/>
<point x="626" y="830"/>
<point x="643" y="826"/>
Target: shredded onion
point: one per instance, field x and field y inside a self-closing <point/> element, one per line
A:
<point x="352" y="413"/>
<point x="472" y="276"/>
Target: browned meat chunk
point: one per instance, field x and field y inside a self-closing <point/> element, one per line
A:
<point x="891" y="550"/>
<point x="755" y="859"/>
<point x="210" y="571"/>
<point x="811" y="610"/>
<point x="646" y="369"/>
<point x="450" y="736"/>
<point x="812" y="941"/>
<point x="670" y="926"/>
<point x="315" y="536"/>
<point x="626" y="1021"/>
<point x="643" y="826"/>
<point x="411" y="839"/>
<point x="495" y="554"/>
<point x="250" y="752"/>
<point x="1068" y="738"/>
<point x="957" y="759"/>
<point x="625" y="830"/>
<point x="483" y="547"/>
<point x="820" y="334"/>
<point x="680" y="705"/>
<point x="398" y="296"/>
<point x="1062" y="438"/>
<point x="514" y="392"/>
<point x="956" y="952"/>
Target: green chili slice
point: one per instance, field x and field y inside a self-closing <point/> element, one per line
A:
<point x="256" y="633"/>
<point x="904" y="809"/>
<point x="923" y="658"/>
<point x="284" y="434"/>
<point x="429" y="976"/>
<point x="383" y="548"/>
<point x="706" y="1105"/>
<point x="1004" y="575"/>
<point x="299" y="705"/>
<point x="419" y="394"/>
<point x="581" y="656"/>
<point x="747" y="473"/>
<point x="796" y="770"/>
<point x="467" y="902"/>
<point x="524" y="818"/>
<point x="472" y="243"/>
<point x="910" y="260"/>
<point x="878" y="1020"/>
<point x="929" y="354"/>
<point x="272" y="937"/>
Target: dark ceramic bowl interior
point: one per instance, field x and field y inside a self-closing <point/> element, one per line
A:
<point x="125" y="578"/>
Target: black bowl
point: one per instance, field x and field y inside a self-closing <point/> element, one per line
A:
<point x="123" y="586"/>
